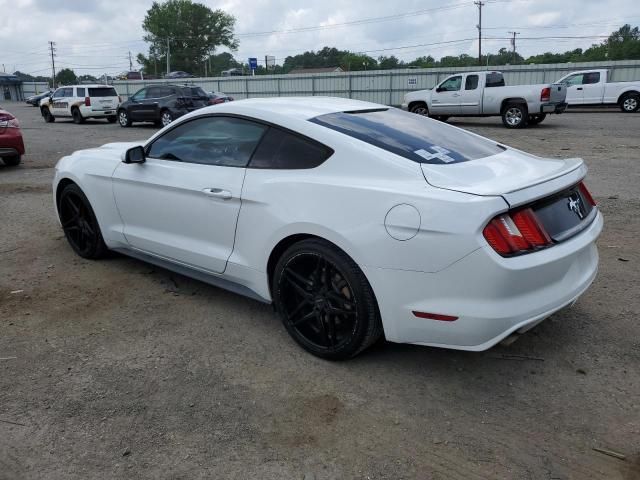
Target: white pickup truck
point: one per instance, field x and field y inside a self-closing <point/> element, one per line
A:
<point x="591" y="87"/>
<point x="483" y="94"/>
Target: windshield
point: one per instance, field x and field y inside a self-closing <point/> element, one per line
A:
<point x="409" y="135"/>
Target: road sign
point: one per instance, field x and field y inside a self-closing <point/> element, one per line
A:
<point x="253" y="63"/>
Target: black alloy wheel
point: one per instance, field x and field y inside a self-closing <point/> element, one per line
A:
<point x="79" y="223"/>
<point x="325" y="301"/>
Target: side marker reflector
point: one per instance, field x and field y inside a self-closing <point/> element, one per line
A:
<point x="435" y="316"/>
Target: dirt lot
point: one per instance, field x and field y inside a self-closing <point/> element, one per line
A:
<point x="116" y="369"/>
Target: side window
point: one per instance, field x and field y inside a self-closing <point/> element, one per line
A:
<point x="80" y="92"/>
<point x="58" y="93"/>
<point x="139" y="95"/>
<point x="283" y="150"/>
<point x="574" y="80"/>
<point x="494" y="79"/>
<point x="223" y="141"/>
<point x="163" y="92"/>
<point x="68" y="92"/>
<point x="471" y="83"/>
<point x="589" y="78"/>
<point x="452" y="84"/>
<point x="154" y="92"/>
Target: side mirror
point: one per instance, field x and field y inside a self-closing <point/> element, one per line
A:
<point x="134" y="155"/>
<point x="439" y="89"/>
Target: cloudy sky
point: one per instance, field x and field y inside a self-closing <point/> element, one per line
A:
<point x="95" y="36"/>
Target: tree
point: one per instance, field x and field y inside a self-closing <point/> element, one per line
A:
<point x="387" y="63"/>
<point x="192" y="32"/>
<point x="87" y="78"/>
<point x="66" y="76"/>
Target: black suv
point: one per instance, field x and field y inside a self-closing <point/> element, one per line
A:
<point x="161" y="104"/>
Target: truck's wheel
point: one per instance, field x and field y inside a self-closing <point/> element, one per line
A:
<point x="77" y="116"/>
<point x="46" y="114"/>
<point x="440" y="118"/>
<point x="630" y="102"/>
<point x="515" y="115"/>
<point x="420" y="108"/>
<point x="536" y="119"/>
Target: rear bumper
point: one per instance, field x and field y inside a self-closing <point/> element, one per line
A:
<point x="553" y="107"/>
<point x="491" y="296"/>
<point x="11" y="142"/>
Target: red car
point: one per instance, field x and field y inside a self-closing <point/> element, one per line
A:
<point x="11" y="144"/>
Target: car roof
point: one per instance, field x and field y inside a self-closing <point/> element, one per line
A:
<point x="302" y="108"/>
<point x="87" y="85"/>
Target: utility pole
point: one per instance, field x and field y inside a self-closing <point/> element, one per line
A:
<point x="130" y="62"/>
<point x="168" y="58"/>
<point x="513" y="44"/>
<point x="53" y="63"/>
<point x="480" y="4"/>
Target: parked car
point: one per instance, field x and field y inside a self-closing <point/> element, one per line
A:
<point x="161" y="104"/>
<point x="218" y="97"/>
<point x="178" y="74"/>
<point x="34" y="100"/>
<point x="353" y="218"/>
<point x="80" y="102"/>
<point x="11" y="143"/>
<point x="592" y="87"/>
<point x="484" y="94"/>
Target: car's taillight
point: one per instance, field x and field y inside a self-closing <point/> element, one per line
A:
<point x="8" y="121"/>
<point x="545" y="95"/>
<point x="586" y="194"/>
<point x="87" y="101"/>
<point x="516" y="232"/>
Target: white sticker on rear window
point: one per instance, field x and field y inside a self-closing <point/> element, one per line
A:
<point x="438" y="152"/>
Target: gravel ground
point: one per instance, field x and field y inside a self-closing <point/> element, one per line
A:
<point x="117" y="369"/>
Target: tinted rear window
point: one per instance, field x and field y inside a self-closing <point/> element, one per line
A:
<point x="194" y="92"/>
<point x="495" y="80"/>
<point x="409" y="135"/>
<point x="103" y="92"/>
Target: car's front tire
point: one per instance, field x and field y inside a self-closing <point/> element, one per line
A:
<point x="79" y="223"/>
<point x="420" y="108"/>
<point x="123" y="118"/>
<point x="325" y="301"/>
<point x="46" y="114"/>
<point x="12" y="160"/>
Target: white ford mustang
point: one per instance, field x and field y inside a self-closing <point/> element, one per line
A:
<point x="354" y="219"/>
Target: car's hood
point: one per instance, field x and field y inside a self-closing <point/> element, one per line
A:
<point x="506" y="174"/>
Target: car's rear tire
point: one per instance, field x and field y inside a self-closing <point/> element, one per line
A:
<point x="77" y="116"/>
<point x="112" y="118"/>
<point x="12" y="160"/>
<point x="630" y="102"/>
<point x="123" y="118"/>
<point x="46" y="114"/>
<point x="537" y="118"/>
<point x="420" y="108"/>
<point x="166" y="118"/>
<point x="515" y="115"/>
<point x="325" y="301"/>
<point x="79" y="223"/>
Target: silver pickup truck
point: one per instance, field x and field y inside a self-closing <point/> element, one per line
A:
<point x="484" y="94"/>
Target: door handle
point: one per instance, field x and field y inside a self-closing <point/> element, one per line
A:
<point x="579" y="88"/>
<point x="456" y="95"/>
<point x="218" y="193"/>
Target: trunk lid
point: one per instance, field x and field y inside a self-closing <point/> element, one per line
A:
<point x="558" y="93"/>
<point x="516" y="176"/>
